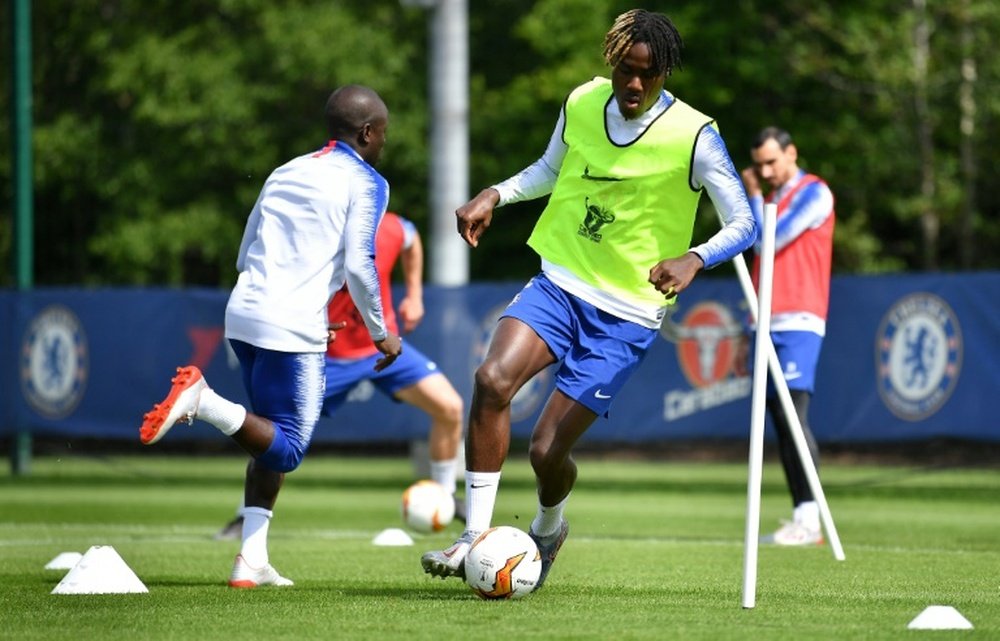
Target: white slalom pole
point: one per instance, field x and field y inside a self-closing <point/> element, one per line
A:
<point x="759" y="407"/>
<point x="808" y="465"/>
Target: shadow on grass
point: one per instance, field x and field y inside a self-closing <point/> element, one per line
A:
<point x="461" y="593"/>
<point x="185" y="583"/>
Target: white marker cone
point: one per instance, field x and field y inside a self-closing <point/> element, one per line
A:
<point x="100" y="571"/>
<point x="940" y="617"/>
<point x="392" y="537"/>
<point x="64" y="561"/>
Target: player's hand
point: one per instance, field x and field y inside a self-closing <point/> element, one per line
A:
<point x="751" y="182"/>
<point x="672" y="275"/>
<point x="331" y="330"/>
<point x="474" y="217"/>
<point x="411" y="312"/>
<point x="741" y="361"/>
<point x="391" y="347"/>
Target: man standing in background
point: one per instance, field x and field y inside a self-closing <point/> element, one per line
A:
<point x="800" y="298"/>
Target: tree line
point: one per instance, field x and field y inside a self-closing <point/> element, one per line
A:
<point x="156" y="122"/>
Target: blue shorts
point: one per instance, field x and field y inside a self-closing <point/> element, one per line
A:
<point x="798" y="353"/>
<point x="598" y="351"/>
<point x="287" y="389"/>
<point x="409" y="368"/>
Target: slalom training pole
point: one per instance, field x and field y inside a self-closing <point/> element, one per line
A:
<point x="758" y="408"/>
<point x="785" y="397"/>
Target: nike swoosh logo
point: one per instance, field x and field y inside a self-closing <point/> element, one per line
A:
<point x="611" y="179"/>
<point x="476" y="487"/>
<point x="598" y="394"/>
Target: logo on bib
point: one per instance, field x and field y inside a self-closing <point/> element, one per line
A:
<point x="595" y="218"/>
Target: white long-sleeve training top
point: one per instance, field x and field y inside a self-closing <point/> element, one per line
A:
<point x="313" y="226"/>
<point x="712" y="169"/>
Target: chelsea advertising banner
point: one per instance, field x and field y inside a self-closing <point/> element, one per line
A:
<point x="906" y="357"/>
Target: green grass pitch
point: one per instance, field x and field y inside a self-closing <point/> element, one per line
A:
<point x="655" y="552"/>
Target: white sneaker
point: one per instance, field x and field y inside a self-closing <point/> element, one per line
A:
<point x="794" y="534"/>
<point x="449" y="562"/>
<point x="244" y="576"/>
<point x="181" y="404"/>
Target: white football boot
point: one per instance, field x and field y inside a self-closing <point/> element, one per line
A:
<point x="794" y="534"/>
<point x="244" y="576"/>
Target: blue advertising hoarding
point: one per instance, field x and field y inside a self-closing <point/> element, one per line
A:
<point x="906" y="357"/>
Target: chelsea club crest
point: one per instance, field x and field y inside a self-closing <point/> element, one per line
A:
<point x="54" y="362"/>
<point x="918" y="355"/>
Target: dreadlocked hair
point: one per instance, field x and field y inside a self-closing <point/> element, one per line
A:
<point x="653" y="29"/>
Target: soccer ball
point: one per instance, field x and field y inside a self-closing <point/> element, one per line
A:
<point x="427" y="506"/>
<point x="503" y="563"/>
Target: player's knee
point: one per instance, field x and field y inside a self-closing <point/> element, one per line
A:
<point x="445" y="405"/>
<point x="536" y="455"/>
<point x="453" y="411"/>
<point x="493" y="385"/>
<point x="545" y="458"/>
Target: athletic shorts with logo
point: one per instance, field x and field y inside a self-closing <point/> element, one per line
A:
<point x="798" y="353"/>
<point x="596" y="351"/>
<point x="409" y="368"/>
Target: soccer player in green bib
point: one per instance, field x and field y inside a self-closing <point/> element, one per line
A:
<point x="625" y="167"/>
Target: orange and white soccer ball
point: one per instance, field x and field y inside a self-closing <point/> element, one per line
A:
<point x="503" y="563"/>
<point x="427" y="506"/>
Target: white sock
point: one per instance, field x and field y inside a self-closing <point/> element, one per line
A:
<point x="547" y="519"/>
<point x="256" y="521"/>
<point x="444" y="473"/>
<point x="225" y="415"/>
<point x="807" y="514"/>
<point x="480" y="496"/>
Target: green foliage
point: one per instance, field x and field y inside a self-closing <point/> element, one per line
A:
<point x="912" y="537"/>
<point x="156" y="122"/>
<point x="152" y="141"/>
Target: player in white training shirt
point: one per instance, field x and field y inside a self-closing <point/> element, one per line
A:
<point x="312" y="228"/>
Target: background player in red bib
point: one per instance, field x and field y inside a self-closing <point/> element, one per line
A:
<point x="415" y="379"/>
<point x="801" y="293"/>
